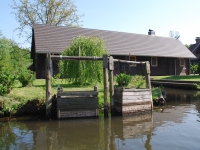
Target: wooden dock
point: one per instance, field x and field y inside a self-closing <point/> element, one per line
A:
<point x="175" y="84"/>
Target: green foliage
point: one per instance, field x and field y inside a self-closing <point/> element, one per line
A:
<point x="194" y="67"/>
<point x="83" y="72"/>
<point x="197" y="85"/>
<point x="13" y="61"/>
<point x="138" y="81"/>
<point x="7" y="81"/>
<point x="26" y="78"/>
<point x="5" y="50"/>
<point x="156" y="91"/>
<point x="123" y="79"/>
<point x="51" y="12"/>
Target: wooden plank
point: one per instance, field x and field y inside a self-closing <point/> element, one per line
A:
<point x="70" y="103"/>
<point x="60" y="57"/>
<point x="131" y="90"/>
<point x="74" y="107"/>
<point x="78" y="113"/>
<point x="136" y="93"/>
<point x="78" y="93"/>
<point x="77" y="103"/>
<point x="136" y="97"/>
<point x="129" y="62"/>
<point x="133" y="103"/>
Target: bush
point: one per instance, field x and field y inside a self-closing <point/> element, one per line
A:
<point x="139" y="81"/>
<point x="26" y="78"/>
<point x="7" y="81"/>
<point x="123" y="79"/>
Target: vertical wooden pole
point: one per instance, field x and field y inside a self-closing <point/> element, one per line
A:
<point x="48" y="85"/>
<point x="105" y="71"/>
<point x="147" y="75"/>
<point x="111" y="80"/>
<point x="148" y="81"/>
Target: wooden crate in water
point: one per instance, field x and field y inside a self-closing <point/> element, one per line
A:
<point x="77" y="104"/>
<point x="127" y="101"/>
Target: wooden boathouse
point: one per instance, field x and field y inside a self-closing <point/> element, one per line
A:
<point x="85" y="103"/>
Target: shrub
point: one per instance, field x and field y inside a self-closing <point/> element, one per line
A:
<point x="194" y="67"/>
<point x="26" y="78"/>
<point x="123" y="79"/>
<point x="138" y="81"/>
<point x="7" y="81"/>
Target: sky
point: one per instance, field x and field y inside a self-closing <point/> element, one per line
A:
<point x="132" y="16"/>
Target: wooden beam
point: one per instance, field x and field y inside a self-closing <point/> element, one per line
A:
<point x="60" y="57"/>
<point x="111" y="80"/>
<point x="48" y="84"/>
<point x="129" y="62"/>
<point x="105" y="71"/>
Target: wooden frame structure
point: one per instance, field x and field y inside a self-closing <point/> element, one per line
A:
<point x="108" y="68"/>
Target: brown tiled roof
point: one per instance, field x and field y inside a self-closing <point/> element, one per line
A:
<point x="54" y="39"/>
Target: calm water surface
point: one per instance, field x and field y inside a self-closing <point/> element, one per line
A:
<point x="175" y="126"/>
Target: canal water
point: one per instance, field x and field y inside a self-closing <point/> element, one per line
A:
<point x="175" y="126"/>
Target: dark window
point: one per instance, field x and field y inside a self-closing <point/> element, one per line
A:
<point x="154" y="61"/>
<point x="182" y="62"/>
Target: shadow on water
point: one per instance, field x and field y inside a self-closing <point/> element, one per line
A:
<point x="144" y="131"/>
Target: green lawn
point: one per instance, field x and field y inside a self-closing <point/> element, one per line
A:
<point x="38" y="90"/>
<point x="184" y="78"/>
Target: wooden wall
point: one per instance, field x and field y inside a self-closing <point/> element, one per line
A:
<point x="127" y="101"/>
<point x="40" y="66"/>
<point x="77" y="104"/>
<point x="166" y="66"/>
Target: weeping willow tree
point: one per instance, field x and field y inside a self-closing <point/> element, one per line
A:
<point x="83" y="72"/>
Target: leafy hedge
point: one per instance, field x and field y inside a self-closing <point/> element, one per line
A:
<point x="7" y="81"/>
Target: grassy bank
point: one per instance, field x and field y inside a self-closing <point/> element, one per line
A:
<point x="32" y="99"/>
<point x="183" y="78"/>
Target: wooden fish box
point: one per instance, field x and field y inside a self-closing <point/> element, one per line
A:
<point x="77" y="104"/>
<point x="127" y="101"/>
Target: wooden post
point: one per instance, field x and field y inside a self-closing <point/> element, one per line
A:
<point x="105" y="71"/>
<point x="111" y="79"/>
<point x="147" y="75"/>
<point x="148" y="81"/>
<point x="48" y="85"/>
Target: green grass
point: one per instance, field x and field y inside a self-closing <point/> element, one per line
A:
<point x="183" y="78"/>
<point x="20" y="95"/>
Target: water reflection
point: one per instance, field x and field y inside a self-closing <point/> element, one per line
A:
<point x="168" y="127"/>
